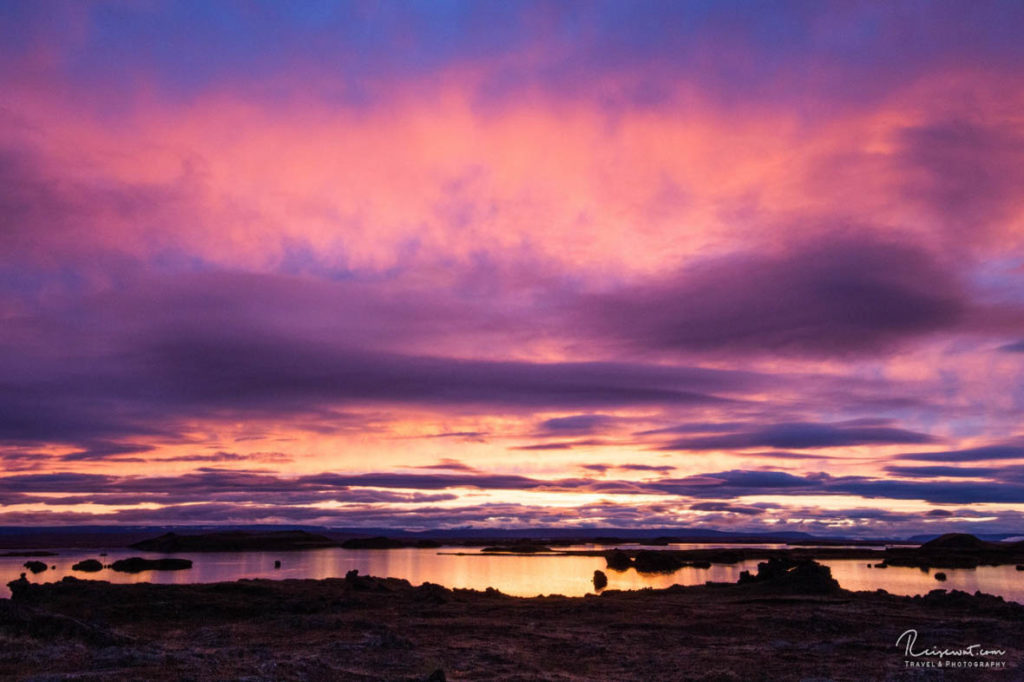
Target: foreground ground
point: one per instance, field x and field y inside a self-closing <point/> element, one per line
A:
<point x="363" y="628"/>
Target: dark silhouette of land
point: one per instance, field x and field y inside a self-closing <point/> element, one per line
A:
<point x="139" y="564"/>
<point x="236" y="541"/>
<point x="789" y="621"/>
<point x="46" y="537"/>
<point x="956" y="550"/>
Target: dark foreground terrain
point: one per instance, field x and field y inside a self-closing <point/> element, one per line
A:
<point x="789" y="623"/>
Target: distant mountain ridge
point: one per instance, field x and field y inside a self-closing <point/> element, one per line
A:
<point x="40" y="537"/>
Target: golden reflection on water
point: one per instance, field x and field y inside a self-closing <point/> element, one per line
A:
<point x="515" y="575"/>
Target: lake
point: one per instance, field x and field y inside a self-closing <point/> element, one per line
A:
<point x="515" y="575"/>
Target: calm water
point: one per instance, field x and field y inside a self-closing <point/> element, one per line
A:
<point x="516" y="575"/>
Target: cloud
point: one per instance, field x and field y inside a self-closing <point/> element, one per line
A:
<point x="726" y="507"/>
<point x="449" y="465"/>
<point x="197" y="357"/>
<point x="966" y="173"/>
<point x="835" y="297"/>
<point x="799" y="435"/>
<point x="477" y="436"/>
<point x="946" y="471"/>
<point x="577" y="425"/>
<point x="106" y="450"/>
<point x="645" y="467"/>
<point x="979" y="454"/>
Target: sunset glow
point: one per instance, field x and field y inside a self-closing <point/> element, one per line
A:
<point x="706" y="264"/>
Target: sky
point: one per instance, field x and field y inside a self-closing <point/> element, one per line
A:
<point x="722" y="264"/>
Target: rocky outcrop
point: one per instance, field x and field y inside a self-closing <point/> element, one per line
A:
<point x="600" y="580"/>
<point x="617" y="560"/>
<point x="87" y="566"/>
<point x="657" y="562"/>
<point x="788" y="576"/>
<point x="22" y="620"/>
<point x="35" y="566"/>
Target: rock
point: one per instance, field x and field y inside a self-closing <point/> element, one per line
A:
<point x="657" y="562"/>
<point x="277" y="564"/>
<point x="22" y="619"/>
<point x="1020" y="567"/>
<point x="35" y="566"/>
<point x="618" y="560"/>
<point x="792" y="576"/>
<point x="940" y="576"/>
<point x="138" y="564"/>
<point x="89" y="566"/>
<point x="19" y="587"/>
<point x="600" y="580"/>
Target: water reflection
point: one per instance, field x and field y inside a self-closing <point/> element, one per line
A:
<point x="515" y="575"/>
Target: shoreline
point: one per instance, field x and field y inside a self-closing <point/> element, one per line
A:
<point x="366" y="628"/>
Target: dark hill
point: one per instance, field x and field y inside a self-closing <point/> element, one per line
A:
<point x="956" y="542"/>
<point x="236" y="541"/>
<point x="956" y="550"/>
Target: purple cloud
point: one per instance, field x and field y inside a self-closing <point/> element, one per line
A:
<point x="801" y="435"/>
<point x="832" y="298"/>
<point x="979" y="454"/>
